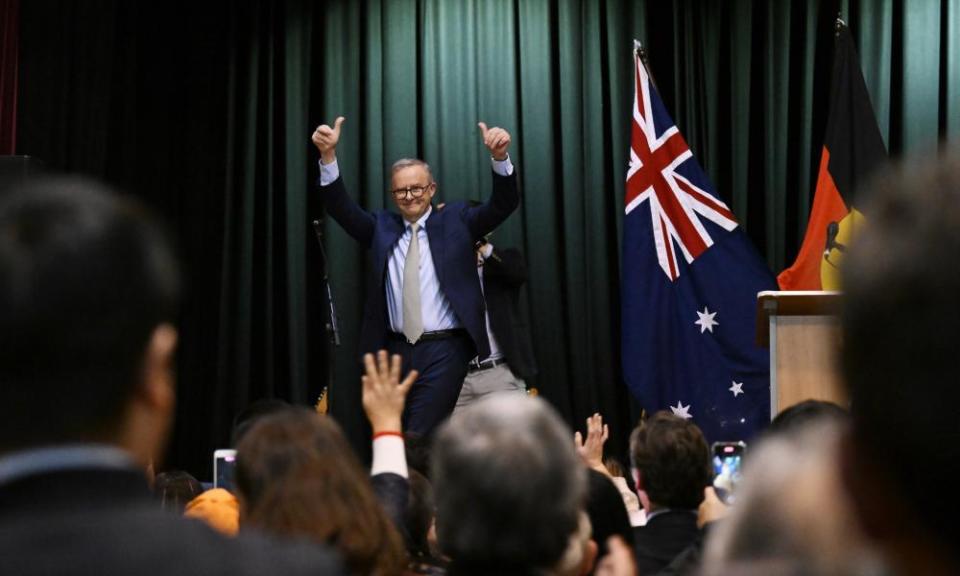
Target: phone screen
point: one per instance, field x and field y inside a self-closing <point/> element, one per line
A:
<point x="224" y="462"/>
<point x="727" y="463"/>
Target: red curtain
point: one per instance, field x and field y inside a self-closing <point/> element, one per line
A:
<point x="9" y="44"/>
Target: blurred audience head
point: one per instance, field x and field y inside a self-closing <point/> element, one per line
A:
<point x="899" y="360"/>
<point x="510" y="490"/>
<point x="806" y="413"/>
<point x="175" y="489"/>
<point x="419" y="520"/>
<point x="88" y="295"/>
<point x="792" y="516"/>
<point x="672" y="461"/>
<point x="298" y="477"/>
<point x="607" y="512"/>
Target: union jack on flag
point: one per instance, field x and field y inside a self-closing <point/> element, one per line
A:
<point x="690" y="281"/>
<point x="676" y="203"/>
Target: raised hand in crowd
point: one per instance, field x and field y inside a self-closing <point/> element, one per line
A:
<point x="591" y="448"/>
<point x="326" y="138"/>
<point x="711" y="509"/>
<point x="383" y="392"/>
<point x="496" y="139"/>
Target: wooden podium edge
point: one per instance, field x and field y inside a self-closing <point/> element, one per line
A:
<point x="792" y="303"/>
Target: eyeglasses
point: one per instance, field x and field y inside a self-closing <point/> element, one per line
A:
<point x="413" y="191"/>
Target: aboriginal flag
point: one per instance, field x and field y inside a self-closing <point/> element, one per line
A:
<point x="852" y="150"/>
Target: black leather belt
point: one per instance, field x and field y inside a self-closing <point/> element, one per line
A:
<point x="475" y="366"/>
<point x="432" y="335"/>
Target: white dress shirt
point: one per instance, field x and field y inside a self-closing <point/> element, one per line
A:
<point x="495" y="353"/>
<point x="436" y="309"/>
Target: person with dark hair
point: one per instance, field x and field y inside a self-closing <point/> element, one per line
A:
<point x="88" y="295"/>
<point x="510" y="491"/>
<point x="503" y="272"/>
<point x="802" y="414"/>
<point x="297" y="476"/>
<point x="424" y="301"/>
<point x="672" y="462"/>
<point x="899" y="360"/>
<point x="421" y="533"/>
<point x="590" y="448"/>
<point x="174" y="489"/>
<point x="608" y="515"/>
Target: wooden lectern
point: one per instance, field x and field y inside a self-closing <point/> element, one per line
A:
<point x="802" y="330"/>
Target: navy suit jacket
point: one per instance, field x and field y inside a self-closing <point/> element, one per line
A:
<point x="452" y="232"/>
<point x="504" y="273"/>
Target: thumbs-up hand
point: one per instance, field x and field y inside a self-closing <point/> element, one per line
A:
<point x="497" y="140"/>
<point x="325" y="139"/>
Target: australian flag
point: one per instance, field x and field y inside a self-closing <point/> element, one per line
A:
<point x="690" y="283"/>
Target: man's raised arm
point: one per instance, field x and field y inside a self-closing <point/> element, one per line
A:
<point x="355" y="220"/>
<point x="505" y="198"/>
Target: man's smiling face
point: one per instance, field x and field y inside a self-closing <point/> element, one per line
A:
<point x="404" y="184"/>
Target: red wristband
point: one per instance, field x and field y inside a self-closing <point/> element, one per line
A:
<point x="388" y="433"/>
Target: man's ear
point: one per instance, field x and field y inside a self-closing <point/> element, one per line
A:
<point x="157" y="388"/>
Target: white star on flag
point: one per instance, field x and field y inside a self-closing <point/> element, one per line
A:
<point x="737" y="389"/>
<point x="681" y="410"/>
<point x="706" y="321"/>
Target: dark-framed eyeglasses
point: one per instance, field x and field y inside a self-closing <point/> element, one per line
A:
<point x="413" y="191"/>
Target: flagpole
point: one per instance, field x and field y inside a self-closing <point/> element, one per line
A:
<point x="641" y="53"/>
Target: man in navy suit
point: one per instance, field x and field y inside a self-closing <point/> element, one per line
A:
<point x="424" y="301"/>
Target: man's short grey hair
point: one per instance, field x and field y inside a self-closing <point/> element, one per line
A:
<point x="408" y="163"/>
<point x="509" y="485"/>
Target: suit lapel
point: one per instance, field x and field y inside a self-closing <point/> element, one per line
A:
<point x="437" y="245"/>
<point x="393" y="229"/>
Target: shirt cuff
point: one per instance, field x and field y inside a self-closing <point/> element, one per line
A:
<point x="502" y="167"/>
<point x="389" y="456"/>
<point x="486" y="250"/>
<point x="329" y="172"/>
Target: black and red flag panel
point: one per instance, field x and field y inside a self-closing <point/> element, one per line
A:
<point x="852" y="150"/>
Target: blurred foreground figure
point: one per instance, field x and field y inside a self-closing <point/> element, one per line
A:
<point x="510" y="491"/>
<point x="88" y="293"/>
<point x="900" y="355"/>
<point x="792" y="515"/>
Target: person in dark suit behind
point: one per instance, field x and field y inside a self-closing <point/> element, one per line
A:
<point x="503" y="272"/>
<point x="424" y="301"/>
<point x="88" y="293"/>
<point x="672" y="462"/>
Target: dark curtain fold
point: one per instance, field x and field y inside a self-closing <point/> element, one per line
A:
<point x="9" y="59"/>
<point x="204" y="110"/>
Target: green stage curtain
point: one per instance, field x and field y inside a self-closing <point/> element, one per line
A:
<point x="205" y="110"/>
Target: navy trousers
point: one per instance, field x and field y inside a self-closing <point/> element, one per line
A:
<point x="442" y="365"/>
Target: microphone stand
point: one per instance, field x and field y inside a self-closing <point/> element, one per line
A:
<point x="331" y="327"/>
